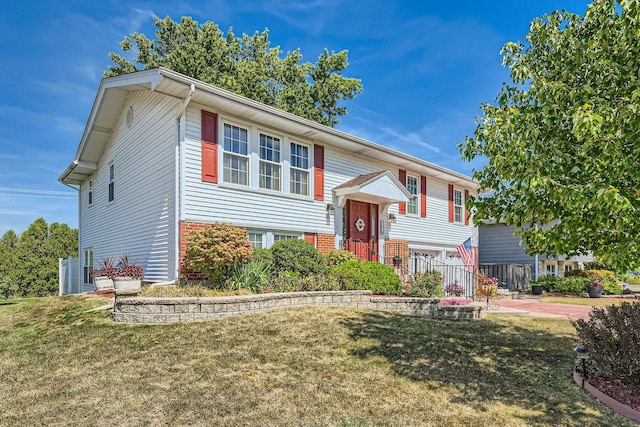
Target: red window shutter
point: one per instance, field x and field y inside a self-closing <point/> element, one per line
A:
<point x="311" y="238"/>
<point x="466" y="212"/>
<point x="402" y="175"/>
<point x="450" y="202"/>
<point x="209" y="147"/>
<point x="423" y="196"/>
<point x="318" y="172"/>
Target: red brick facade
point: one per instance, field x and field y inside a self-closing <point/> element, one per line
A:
<point x="325" y="243"/>
<point x="186" y="228"/>
<point x="393" y="248"/>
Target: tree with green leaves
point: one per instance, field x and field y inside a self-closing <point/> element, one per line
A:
<point x="29" y="262"/>
<point x="246" y="65"/>
<point x="562" y="139"/>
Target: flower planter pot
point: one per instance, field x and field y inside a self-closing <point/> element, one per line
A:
<point x="536" y="289"/>
<point x="127" y="284"/>
<point x="594" y="292"/>
<point x="103" y="283"/>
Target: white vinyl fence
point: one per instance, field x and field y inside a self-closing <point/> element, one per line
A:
<point x="69" y="276"/>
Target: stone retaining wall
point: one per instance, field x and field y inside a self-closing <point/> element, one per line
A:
<point x="152" y="310"/>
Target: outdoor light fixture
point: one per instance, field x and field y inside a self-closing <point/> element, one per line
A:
<point x="392" y="218"/>
<point x="582" y="351"/>
<point x="330" y="208"/>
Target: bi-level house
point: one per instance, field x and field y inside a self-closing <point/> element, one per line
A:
<point x="163" y="154"/>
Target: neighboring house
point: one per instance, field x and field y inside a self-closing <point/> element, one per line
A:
<point x="164" y="154"/>
<point x="499" y="245"/>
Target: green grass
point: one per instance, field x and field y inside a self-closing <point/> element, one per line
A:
<point x="61" y="365"/>
<point x="593" y="302"/>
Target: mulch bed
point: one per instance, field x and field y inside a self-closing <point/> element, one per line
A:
<point x="107" y="293"/>
<point x="616" y="389"/>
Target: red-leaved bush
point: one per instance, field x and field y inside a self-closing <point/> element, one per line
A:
<point x="612" y="338"/>
<point x="216" y="249"/>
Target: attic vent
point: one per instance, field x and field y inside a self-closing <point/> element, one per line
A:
<point x="129" y="117"/>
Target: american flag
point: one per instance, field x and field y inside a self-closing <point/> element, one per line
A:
<point x="467" y="254"/>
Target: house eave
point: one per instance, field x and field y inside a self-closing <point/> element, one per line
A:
<point x="113" y="92"/>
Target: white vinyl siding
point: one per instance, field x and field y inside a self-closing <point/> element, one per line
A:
<point x="141" y="222"/>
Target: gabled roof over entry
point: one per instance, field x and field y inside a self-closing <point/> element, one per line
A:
<point x="382" y="188"/>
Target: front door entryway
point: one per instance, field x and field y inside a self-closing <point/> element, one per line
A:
<point x="362" y="229"/>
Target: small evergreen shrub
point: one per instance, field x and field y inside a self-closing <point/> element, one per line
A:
<point x="216" y="250"/>
<point x="252" y="275"/>
<point x="297" y="256"/>
<point x="367" y="276"/>
<point x="291" y="282"/>
<point x="338" y="256"/>
<point x="612" y="338"/>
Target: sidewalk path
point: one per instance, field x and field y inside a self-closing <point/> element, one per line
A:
<point x="533" y="307"/>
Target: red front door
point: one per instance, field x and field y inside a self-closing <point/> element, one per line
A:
<point x="362" y="220"/>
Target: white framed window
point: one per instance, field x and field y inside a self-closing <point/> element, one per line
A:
<point x="458" y="206"/>
<point x="568" y="268"/>
<point x="269" y="168"/>
<point x="256" y="238"/>
<point x="281" y="236"/>
<point x="412" y="186"/>
<point x="90" y="195"/>
<point x="550" y="270"/>
<point x="87" y="265"/>
<point x="111" y="190"/>
<point x="299" y="172"/>
<point x="235" y="161"/>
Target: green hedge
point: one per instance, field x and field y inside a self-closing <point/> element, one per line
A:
<point x="367" y="276"/>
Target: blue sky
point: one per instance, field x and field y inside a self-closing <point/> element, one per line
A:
<point x="426" y="67"/>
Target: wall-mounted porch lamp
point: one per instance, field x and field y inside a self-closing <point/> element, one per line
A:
<point x="392" y="218"/>
<point x="330" y="208"/>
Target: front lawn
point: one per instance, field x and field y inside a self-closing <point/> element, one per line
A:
<point x="302" y="366"/>
<point x="593" y="302"/>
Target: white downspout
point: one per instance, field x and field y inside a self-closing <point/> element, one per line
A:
<point x="179" y="182"/>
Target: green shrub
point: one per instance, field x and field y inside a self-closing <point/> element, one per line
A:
<point x="611" y="287"/>
<point x="252" y="275"/>
<point x="569" y="285"/>
<point x="298" y="256"/>
<point x="292" y="282"/>
<point x="216" y="250"/>
<point x="265" y="256"/>
<point x="612" y="338"/>
<point x="547" y="282"/>
<point x="427" y="285"/>
<point x="338" y="256"/>
<point x="367" y="275"/>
